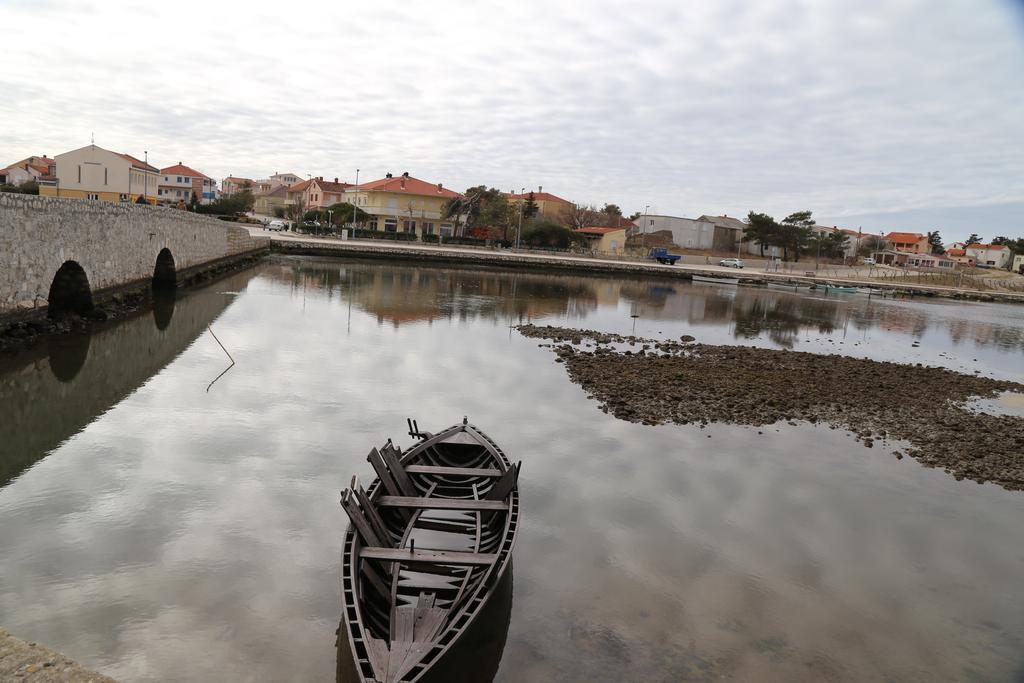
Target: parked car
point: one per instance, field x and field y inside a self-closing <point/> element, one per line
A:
<point x="277" y="225"/>
<point x="661" y="255"/>
<point x="731" y="263"/>
<point x="869" y="261"/>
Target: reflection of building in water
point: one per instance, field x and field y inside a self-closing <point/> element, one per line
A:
<point x="51" y="392"/>
<point x="399" y="295"/>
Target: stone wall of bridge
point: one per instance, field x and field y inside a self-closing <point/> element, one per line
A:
<point x="116" y="245"/>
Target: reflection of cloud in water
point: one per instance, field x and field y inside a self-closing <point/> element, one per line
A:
<point x="197" y="536"/>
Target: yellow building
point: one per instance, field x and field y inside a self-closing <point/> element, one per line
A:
<point x="96" y="173"/>
<point x="549" y="206"/>
<point x="403" y="204"/>
<point x="605" y="240"/>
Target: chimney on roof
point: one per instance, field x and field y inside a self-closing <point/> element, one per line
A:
<point x="405" y="175"/>
<point x="402" y="181"/>
<point x="540" y="188"/>
<point x="179" y="163"/>
<point x="320" y="178"/>
<point x="335" y="179"/>
<point x="439" y="188"/>
<point x="388" y="175"/>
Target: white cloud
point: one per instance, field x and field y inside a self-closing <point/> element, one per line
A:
<point x="690" y="107"/>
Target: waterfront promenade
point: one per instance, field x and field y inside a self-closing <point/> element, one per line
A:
<point x="511" y="258"/>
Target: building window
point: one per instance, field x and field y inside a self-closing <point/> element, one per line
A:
<point x="428" y="228"/>
<point x="390" y="225"/>
<point x="393" y="203"/>
<point x="79" y="173"/>
<point x="409" y="226"/>
<point x="446" y="230"/>
<point x="92" y="195"/>
<point x="123" y="197"/>
<point x="104" y="175"/>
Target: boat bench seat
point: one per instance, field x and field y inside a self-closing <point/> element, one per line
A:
<point x="427" y="556"/>
<point x="441" y="503"/>
<point x="452" y="471"/>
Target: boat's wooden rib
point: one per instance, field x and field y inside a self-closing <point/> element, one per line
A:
<point x="454" y="492"/>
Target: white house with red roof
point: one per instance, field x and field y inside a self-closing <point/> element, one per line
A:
<point x="990" y="255"/>
<point x="95" y="173"/>
<point x="317" y="193"/>
<point x="403" y="204"/>
<point x="179" y="182"/>
<point x="909" y="242"/>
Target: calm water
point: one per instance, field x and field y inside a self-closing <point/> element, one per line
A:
<point x="156" y="527"/>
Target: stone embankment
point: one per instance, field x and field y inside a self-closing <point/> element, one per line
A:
<point x="22" y="661"/>
<point x="653" y="382"/>
<point x="475" y="256"/>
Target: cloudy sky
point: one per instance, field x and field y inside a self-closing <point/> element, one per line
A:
<point x="885" y="114"/>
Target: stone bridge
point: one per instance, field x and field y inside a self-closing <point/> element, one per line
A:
<point x="61" y="255"/>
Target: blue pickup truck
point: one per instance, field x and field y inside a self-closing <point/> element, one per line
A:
<point x="661" y="255"/>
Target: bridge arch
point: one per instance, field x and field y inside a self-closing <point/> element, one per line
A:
<point x="69" y="291"/>
<point x="165" y="275"/>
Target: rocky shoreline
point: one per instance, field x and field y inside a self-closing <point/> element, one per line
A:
<point x="654" y="382"/>
<point x="23" y="661"/>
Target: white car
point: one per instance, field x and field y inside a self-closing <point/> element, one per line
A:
<point x="731" y="263"/>
<point x="277" y="225"/>
<point x="869" y="261"/>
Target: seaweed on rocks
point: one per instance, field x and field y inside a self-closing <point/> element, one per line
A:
<point x="657" y="381"/>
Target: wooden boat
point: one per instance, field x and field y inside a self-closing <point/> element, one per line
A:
<point x="716" y="280"/>
<point x="428" y="543"/>
<point x="837" y="289"/>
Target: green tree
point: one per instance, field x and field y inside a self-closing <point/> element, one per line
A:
<point x="530" y="208"/>
<point x="974" y="239"/>
<point x="343" y="213"/>
<point x="795" y="233"/>
<point x="761" y="228"/>
<point x="935" y="242"/>
<point x="546" y="234"/>
<point x="193" y="203"/>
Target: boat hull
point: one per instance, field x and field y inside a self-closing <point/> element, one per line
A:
<point x="442" y="590"/>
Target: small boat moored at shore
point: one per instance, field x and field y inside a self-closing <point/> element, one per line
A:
<point x="830" y="288"/>
<point x="428" y="543"/>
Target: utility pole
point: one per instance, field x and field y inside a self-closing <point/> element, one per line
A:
<point x="145" y="190"/>
<point x="522" y="201"/>
<point x="643" y="228"/>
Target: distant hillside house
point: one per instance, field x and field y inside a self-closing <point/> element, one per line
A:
<point x="909" y="242"/>
<point x="92" y="172"/>
<point x="27" y="170"/>
<point x="991" y="255"/>
<point x="179" y="183"/>
<point x="604" y="240"/>
<point x="404" y="204"/>
<point x="286" y="179"/>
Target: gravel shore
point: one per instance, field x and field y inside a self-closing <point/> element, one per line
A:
<point x="22" y="661"/>
<point x="653" y="382"/>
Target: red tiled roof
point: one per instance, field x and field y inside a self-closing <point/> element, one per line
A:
<point x="137" y="162"/>
<point x="903" y="237"/>
<point x="181" y="169"/>
<point x="329" y="186"/>
<point x="987" y="246"/>
<point x="237" y="180"/>
<point x="540" y="197"/>
<point x="595" y="230"/>
<point x="956" y="252"/>
<point x="410" y="186"/>
<point x="300" y="187"/>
